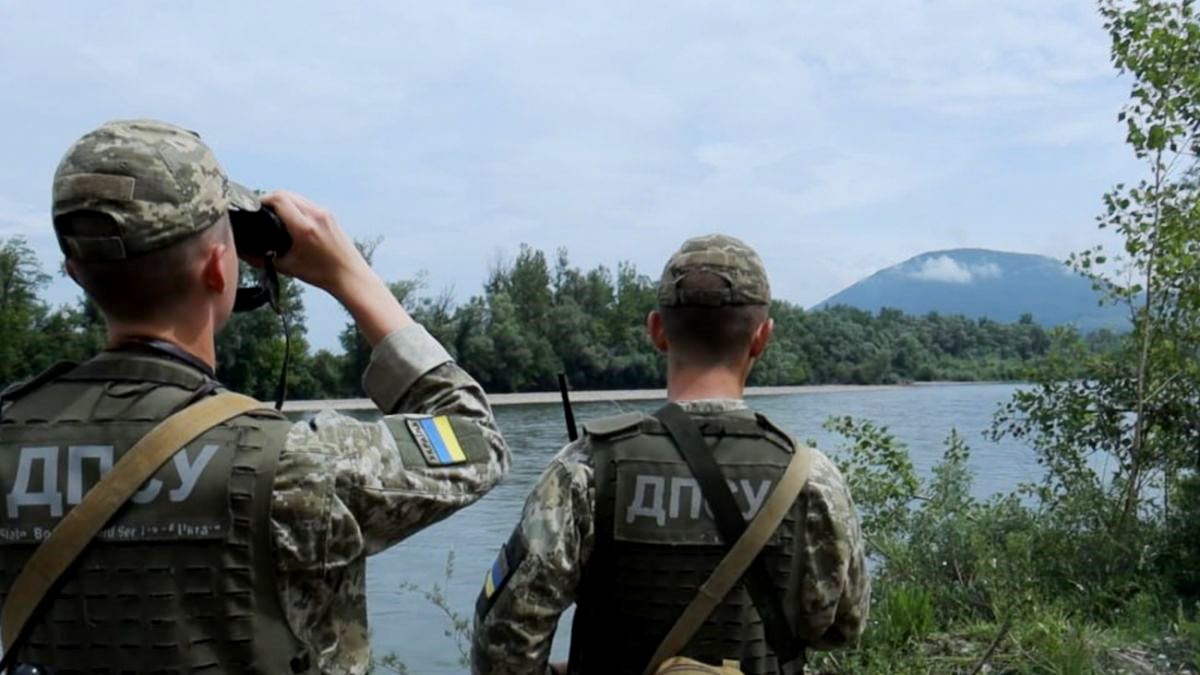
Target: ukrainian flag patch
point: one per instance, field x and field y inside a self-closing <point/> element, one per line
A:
<point x="510" y="557"/>
<point x="436" y="440"/>
<point x="496" y="574"/>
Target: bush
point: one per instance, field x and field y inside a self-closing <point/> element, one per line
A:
<point x="952" y="574"/>
<point x="1181" y="564"/>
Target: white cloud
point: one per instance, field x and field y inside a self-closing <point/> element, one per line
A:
<point x="986" y="271"/>
<point x="830" y="135"/>
<point x="945" y="269"/>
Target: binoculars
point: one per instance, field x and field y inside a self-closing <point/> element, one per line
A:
<point x="260" y="233"/>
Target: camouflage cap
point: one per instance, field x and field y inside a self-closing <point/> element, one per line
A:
<point x="158" y="182"/>
<point x="723" y="256"/>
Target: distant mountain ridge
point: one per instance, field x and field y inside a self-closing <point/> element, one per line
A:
<point x="981" y="283"/>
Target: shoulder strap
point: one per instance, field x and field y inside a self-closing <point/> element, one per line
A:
<point x="735" y="563"/>
<point x="732" y="527"/>
<point x="76" y="530"/>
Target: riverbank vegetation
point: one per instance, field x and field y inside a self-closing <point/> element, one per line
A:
<point x="1096" y="567"/>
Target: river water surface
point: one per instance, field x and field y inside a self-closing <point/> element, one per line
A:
<point x="406" y="623"/>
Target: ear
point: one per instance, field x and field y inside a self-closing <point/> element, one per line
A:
<point x="762" y="335"/>
<point x="656" y="331"/>
<point x="212" y="272"/>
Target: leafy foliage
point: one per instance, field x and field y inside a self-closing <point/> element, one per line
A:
<point x="1128" y="424"/>
<point x="960" y="582"/>
<point x="34" y="334"/>
<point x="535" y="319"/>
<point x="1103" y="549"/>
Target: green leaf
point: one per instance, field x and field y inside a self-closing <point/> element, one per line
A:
<point x="1158" y="137"/>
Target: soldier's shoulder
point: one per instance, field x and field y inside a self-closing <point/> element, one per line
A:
<point x="18" y="389"/>
<point x="776" y="433"/>
<point x="766" y="423"/>
<point x="826" y="482"/>
<point x="613" y="426"/>
<point x="266" y="418"/>
<point x="823" y="468"/>
<point x="325" y="435"/>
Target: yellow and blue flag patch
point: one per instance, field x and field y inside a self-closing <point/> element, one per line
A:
<point x="495" y="576"/>
<point x="436" y="440"/>
<point x="511" y="555"/>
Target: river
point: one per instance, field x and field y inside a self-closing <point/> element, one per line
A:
<point x="405" y="623"/>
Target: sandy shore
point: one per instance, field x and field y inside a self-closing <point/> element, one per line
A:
<point x="596" y="396"/>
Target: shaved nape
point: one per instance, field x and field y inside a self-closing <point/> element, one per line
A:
<point x="148" y="287"/>
<point x="712" y="336"/>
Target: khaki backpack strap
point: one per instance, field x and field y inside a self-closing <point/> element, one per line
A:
<point x="731" y="568"/>
<point x="76" y="530"/>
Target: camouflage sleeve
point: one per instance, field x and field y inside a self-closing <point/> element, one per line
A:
<point x="831" y="589"/>
<point x="346" y="487"/>
<point x="535" y="576"/>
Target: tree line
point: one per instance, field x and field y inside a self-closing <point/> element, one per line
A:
<point x="536" y="316"/>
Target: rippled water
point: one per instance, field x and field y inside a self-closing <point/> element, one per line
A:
<point x="405" y="623"/>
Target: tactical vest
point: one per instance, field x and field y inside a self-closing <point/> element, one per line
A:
<point x="183" y="579"/>
<point x="656" y="543"/>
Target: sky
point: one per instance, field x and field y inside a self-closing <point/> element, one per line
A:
<point x="836" y="138"/>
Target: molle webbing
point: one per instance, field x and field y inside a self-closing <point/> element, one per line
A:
<point x="635" y="589"/>
<point x="193" y="599"/>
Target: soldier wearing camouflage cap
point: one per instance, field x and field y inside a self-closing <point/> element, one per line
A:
<point x="246" y="553"/>
<point x="617" y="525"/>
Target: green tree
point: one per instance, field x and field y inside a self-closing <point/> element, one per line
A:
<point x="1136" y="403"/>
<point x="531" y="321"/>
<point x="250" y="349"/>
<point x="21" y="311"/>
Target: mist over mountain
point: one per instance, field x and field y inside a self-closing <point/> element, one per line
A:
<point x="980" y="283"/>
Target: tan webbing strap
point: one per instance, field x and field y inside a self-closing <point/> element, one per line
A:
<point x="731" y="568"/>
<point x="76" y="530"/>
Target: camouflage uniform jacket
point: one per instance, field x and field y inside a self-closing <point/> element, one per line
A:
<point x="346" y="489"/>
<point x="557" y="531"/>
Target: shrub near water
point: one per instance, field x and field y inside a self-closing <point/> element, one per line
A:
<point x="1031" y="588"/>
<point x="1095" y="567"/>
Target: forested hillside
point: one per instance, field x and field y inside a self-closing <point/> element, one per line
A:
<point x="537" y="316"/>
<point x="979" y="283"/>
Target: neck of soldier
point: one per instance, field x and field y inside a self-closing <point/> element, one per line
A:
<point x="687" y="382"/>
<point x="194" y="335"/>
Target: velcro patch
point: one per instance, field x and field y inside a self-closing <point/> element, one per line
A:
<point x="662" y="503"/>
<point x="95" y="186"/>
<point x="436" y="440"/>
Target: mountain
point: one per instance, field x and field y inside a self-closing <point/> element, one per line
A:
<point x="981" y="283"/>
